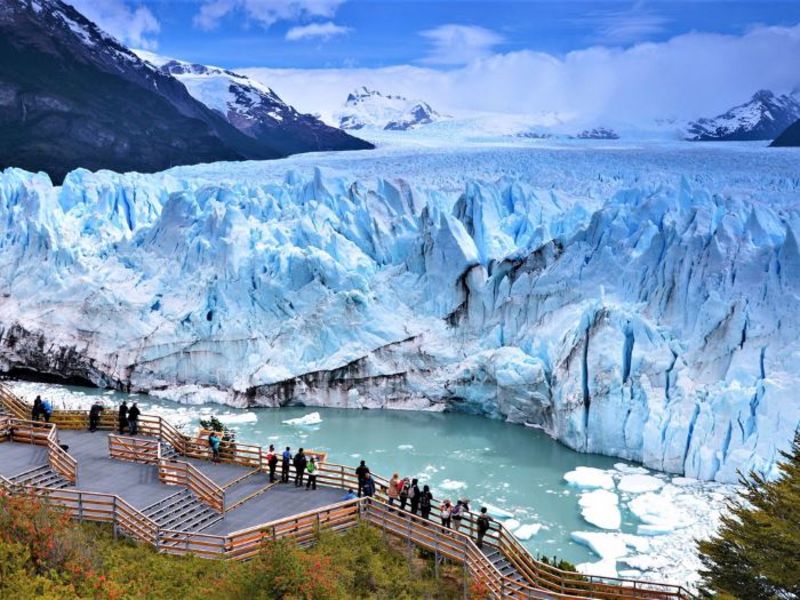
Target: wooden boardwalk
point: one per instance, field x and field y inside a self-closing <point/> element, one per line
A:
<point x="161" y="488"/>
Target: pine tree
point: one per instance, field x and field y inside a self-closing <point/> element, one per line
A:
<point x="756" y="553"/>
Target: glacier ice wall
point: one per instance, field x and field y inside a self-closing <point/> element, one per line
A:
<point x="656" y="322"/>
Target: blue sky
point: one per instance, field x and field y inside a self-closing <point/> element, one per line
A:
<point x="378" y="33"/>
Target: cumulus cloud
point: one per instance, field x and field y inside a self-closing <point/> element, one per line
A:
<point x="263" y="12"/>
<point x="132" y="25"/>
<point x="454" y="44"/>
<point x="691" y="75"/>
<point x="322" y="31"/>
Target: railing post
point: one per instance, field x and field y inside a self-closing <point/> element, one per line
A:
<point x="114" y="516"/>
<point x="80" y="507"/>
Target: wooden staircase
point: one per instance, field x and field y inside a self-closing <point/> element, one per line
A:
<point x="43" y="477"/>
<point x="182" y="511"/>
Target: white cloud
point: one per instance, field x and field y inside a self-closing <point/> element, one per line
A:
<point x="264" y="12"/>
<point x="454" y="44"/>
<point x="322" y="31"/>
<point x="690" y="75"/>
<point x="134" y="26"/>
<point x="635" y="24"/>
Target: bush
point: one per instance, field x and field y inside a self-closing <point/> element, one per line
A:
<point x="756" y="553"/>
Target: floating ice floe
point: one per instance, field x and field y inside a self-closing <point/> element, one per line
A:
<point x="232" y="419"/>
<point x="405" y="447"/>
<point x="630" y="469"/>
<point x="590" y="478"/>
<point x="511" y="524"/>
<point x="313" y="418"/>
<point x="600" y="508"/>
<point x="605" y="545"/>
<point x="452" y="485"/>
<point x="601" y="568"/>
<point x="497" y="512"/>
<point x="526" y="532"/>
<point x="658" y="514"/>
<point x="639" y="484"/>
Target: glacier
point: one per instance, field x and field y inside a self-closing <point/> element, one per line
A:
<point x="639" y="302"/>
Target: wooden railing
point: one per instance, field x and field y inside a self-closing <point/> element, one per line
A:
<point x="15" y="407"/>
<point x="178" y="472"/>
<point x="131" y="449"/>
<point x="541" y="578"/>
<point x="45" y="435"/>
<point x="60" y="461"/>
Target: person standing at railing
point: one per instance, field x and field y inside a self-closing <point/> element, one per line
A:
<point x="459" y="512"/>
<point x="362" y="471"/>
<point x="368" y="488"/>
<point x="446" y="512"/>
<point x="94" y="415"/>
<point x="425" y="502"/>
<point x="405" y="487"/>
<point x="286" y="461"/>
<point x="272" y="462"/>
<point x="37" y="410"/>
<point x="300" y="463"/>
<point x="312" y="469"/>
<point x="122" y="417"/>
<point x="133" y="419"/>
<point x="214" y="440"/>
<point x="414" y="496"/>
<point x="393" y="491"/>
<point x="47" y="410"/>
<point x="484" y="522"/>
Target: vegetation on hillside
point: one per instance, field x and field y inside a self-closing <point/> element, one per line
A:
<point x="43" y="554"/>
<point x="756" y="553"/>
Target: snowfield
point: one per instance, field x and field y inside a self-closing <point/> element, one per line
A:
<point x="636" y="300"/>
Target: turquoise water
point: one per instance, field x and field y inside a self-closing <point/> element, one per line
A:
<point x="510" y="466"/>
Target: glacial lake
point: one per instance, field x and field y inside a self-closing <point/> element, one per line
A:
<point x="513" y="467"/>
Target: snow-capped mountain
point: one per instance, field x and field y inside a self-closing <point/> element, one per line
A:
<point x="73" y="96"/>
<point x="598" y="295"/>
<point x="370" y="108"/>
<point x="763" y="117"/>
<point x="256" y="109"/>
<point x="789" y="137"/>
<point x="598" y="133"/>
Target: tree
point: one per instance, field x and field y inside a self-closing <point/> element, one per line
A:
<point x="756" y="553"/>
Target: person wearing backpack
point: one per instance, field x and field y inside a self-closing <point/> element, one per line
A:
<point x="458" y="513"/>
<point x="425" y="502"/>
<point x="286" y="460"/>
<point x="445" y="512"/>
<point x="361" y="472"/>
<point x="484" y="521"/>
<point x="47" y="410"/>
<point x="272" y="462"/>
<point x="300" y="464"/>
<point x="405" y="488"/>
<point x="393" y="491"/>
<point x="133" y="419"/>
<point x="312" y="469"/>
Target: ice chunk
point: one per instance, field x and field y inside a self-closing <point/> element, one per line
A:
<point x="630" y="469"/>
<point x="658" y="514"/>
<point x="497" y="512"/>
<point x="601" y="568"/>
<point x="638" y="484"/>
<point x="526" y="532"/>
<point x="511" y="524"/>
<point x="234" y="419"/>
<point x="589" y="478"/>
<point x="605" y="545"/>
<point x="599" y="508"/>
<point x="313" y="418"/>
<point x="452" y="485"/>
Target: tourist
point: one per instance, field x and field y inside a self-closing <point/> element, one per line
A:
<point x="405" y="486"/>
<point x="350" y="495"/>
<point x="94" y="415"/>
<point x="300" y="462"/>
<point x="123" y="417"/>
<point x="425" y="502"/>
<point x="393" y="491"/>
<point x="368" y="486"/>
<point x="133" y="419"/>
<point x="214" y="441"/>
<point x="312" y="469"/>
<point x="361" y="472"/>
<point x="445" y="512"/>
<point x="47" y="410"/>
<point x="483" y="525"/>
<point x="272" y="462"/>
<point x="286" y="460"/>
<point x="37" y="410"/>
<point x="414" y="496"/>
<point x="459" y="512"/>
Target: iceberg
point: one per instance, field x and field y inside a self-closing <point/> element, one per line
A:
<point x="600" y="508"/>
<point x="608" y="546"/>
<point x="590" y="478"/>
<point x="526" y="532"/>
<point x="634" y="303"/>
<point x="313" y="418"/>
<point x="637" y="484"/>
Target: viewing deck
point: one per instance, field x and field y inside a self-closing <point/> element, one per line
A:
<point x="161" y="488"/>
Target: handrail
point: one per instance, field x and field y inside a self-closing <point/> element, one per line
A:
<point x="545" y="577"/>
<point x="184" y="474"/>
<point x="140" y="450"/>
<point x="60" y="461"/>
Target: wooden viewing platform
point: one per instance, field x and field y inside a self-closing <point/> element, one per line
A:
<point x="161" y="488"/>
